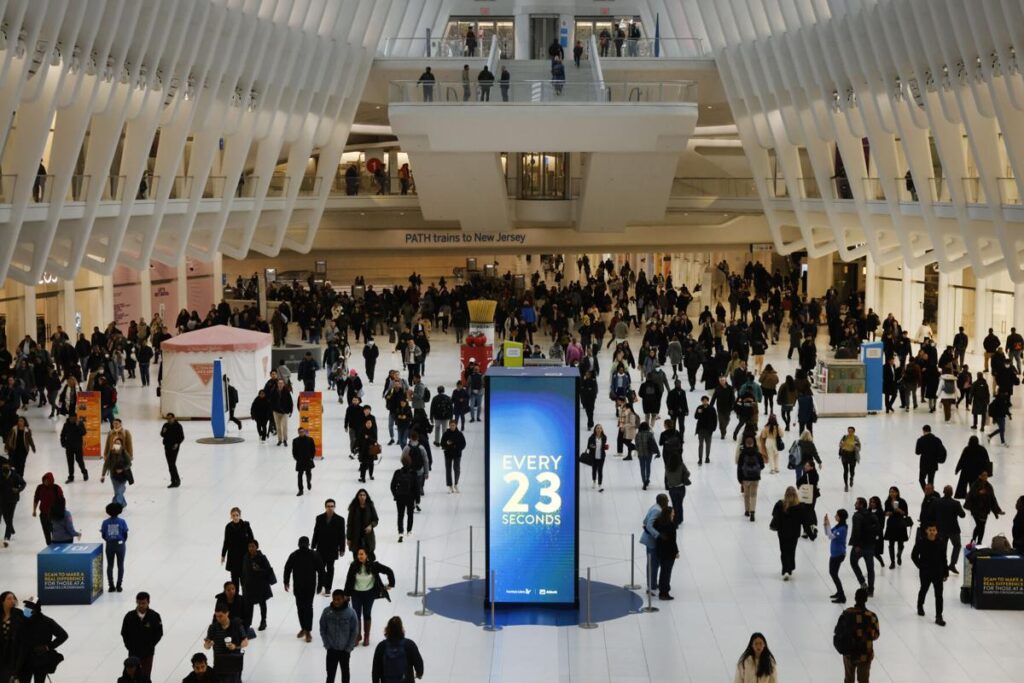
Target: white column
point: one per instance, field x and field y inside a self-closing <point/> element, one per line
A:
<point x="944" y="325"/>
<point x="69" y="309"/>
<point x="28" y="312"/>
<point x="819" y="276"/>
<point x="870" y="285"/>
<point x="107" y="301"/>
<point x="181" y="284"/>
<point x="907" y="301"/>
<point x="146" y="289"/>
<point x="218" y="276"/>
<point x="982" y="314"/>
<point x="1018" y="307"/>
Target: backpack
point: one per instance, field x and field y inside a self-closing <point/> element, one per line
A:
<point x="844" y="638"/>
<point x="444" y="407"/>
<point x="396" y="662"/>
<point x="750" y="465"/>
<point x="795" y="457"/>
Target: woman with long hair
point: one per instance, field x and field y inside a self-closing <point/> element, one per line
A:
<point x="756" y="664"/>
<point x="362" y="519"/>
<point x="788" y="517"/>
<point x="237" y="534"/>
<point x="12" y="626"/>
<point x="897" y="518"/>
<point x="768" y="443"/>
<point x="364" y="584"/>
<point x="597" y="446"/>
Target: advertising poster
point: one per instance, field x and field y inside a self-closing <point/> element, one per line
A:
<point x="999" y="582"/>
<point x="532" y="485"/>
<point x="89" y="409"/>
<point x="311" y="413"/>
<point x="70" y="573"/>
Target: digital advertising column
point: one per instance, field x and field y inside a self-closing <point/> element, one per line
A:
<point x="532" y="485"/>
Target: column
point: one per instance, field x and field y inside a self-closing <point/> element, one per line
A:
<point x="393" y="169"/>
<point x="28" y="313"/>
<point x="146" y="288"/>
<point x="819" y="276"/>
<point x="907" y="301"/>
<point x="1018" y="307"/>
<point x="982" y="314"/>
<point x="870" y="285"/>
<point x="107" y="301"/>
<point x="69" y="309"/>
<point x="181" y="284"/>
<point x="218" y="277"/>
<point x="944" y="325"/>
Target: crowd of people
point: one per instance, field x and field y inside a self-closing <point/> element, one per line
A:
<point x="586" y="323"/>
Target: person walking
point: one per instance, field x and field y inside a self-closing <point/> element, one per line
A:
<point x="12" y="627"/>
<point x="756" y="664"/>
<point x="707" y="421"/>
<point x="577" y="53"/>
<point x="172" y="435"/>
<point x="282" y="405"/>
<point x="41" y="638"/>
<point x="72" y="439"/>
<point x="849" y="454"/>
<point x="304" y="452"/>
<point x="789" y="516"/>
<point x="396" y="659"/>
<point x="768" y="443"/>
<point x="837" y="552"/>
<point x="201" y="672"/>
<point x="141" y="631"/>
<point x="897" y="523"/>
<point x="368" y="449"/>
<point x="932" y="453"/>
<point x="231" y="398"/>
<point x="261" y="413"/>
<point x="974" y="460"/>
<point x="403" y="488"/>
<point x="114" y="532"/>
<point x="339" y="631"/>
<point x="749" y="464"/>
<point x="597" y="448"/>
<point x="948" y="513"/>
<point x="226" y="636"/>
<point x="677" y="476"/>
<point x="306" y="568"/>
<point x="862" y="543"/>
<point x="646" y="451"/>
<point x="62" y="524"/>
<point x="504" y="82"/>
<point x="308" y="368"/>
<point x="855" y="633"/>
<point x="981" y="502"/>
<point x="19" y="443"/>
<point x="362" y="521"/>
<point x="118" y="463"/>
<point x="237" y="534"/>
<point x="328" y="540"/>
<point x="452" y="443"/>
<point x="723" y="399"/>
<point x="980" y="397"/>
<point x="363" y="583"/>
<point x="999" y="410"/>
<point x="667" y="550"/>
<point x="46" y="494"/>
<point x="441" y="410"/>
<point x="929" y="554"/>
<point x="649" y="539"/>
<point x="257" y="578"/>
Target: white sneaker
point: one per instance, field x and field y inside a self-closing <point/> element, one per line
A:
<point x="451" y="490"/>
<point x="456" y="488"/>
<point x="593" y="484"/>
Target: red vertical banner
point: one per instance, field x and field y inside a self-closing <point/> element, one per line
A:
<point x="311" y="413"/>
<point x="89" y="409"/>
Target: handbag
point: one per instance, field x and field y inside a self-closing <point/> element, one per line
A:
<point x="780" y="445"/>
<point x="375" y="449"/>
<point x="587" y="458"/>
<point x="806" y="494"/>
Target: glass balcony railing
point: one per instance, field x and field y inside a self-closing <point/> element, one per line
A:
<point x="365" y="184"/>
<point x="873" y="189"/>
<point x="974" y="191"/>
<point x="7" y="184"/>
<point x="711" y="188"/>
<point x="544" y="187"/>
<point x="435" y="48"/>
<point x="647" y="48"/>
<point x="1009" y="192"/>
<point x="541" y="92"/>
<point x="278" y="187"/>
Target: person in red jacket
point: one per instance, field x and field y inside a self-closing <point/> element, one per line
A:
<point x="46" y="494"/>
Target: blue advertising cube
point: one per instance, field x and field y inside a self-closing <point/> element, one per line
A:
<point x="70" y="573"/>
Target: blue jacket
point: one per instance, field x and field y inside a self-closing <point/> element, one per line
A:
<point x="650" y="535"/>
<point x="114" y="529"/>
<point x="339" y="628"/>
<point x="63" y="530"/>
<point x="837" y="546"/>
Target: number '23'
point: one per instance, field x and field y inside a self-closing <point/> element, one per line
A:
<point x="549" y="482"/>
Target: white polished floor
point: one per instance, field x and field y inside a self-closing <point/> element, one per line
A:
<point x="726" y="584"/>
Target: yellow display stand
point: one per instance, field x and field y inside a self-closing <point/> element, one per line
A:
<point x="512" y="353"/>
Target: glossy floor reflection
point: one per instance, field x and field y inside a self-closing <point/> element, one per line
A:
<point x="726" y="583"/>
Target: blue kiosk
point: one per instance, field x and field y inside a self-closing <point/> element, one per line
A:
<point x="70" y="573"/>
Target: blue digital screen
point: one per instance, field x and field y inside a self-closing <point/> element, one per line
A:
<point x="532" y="487"/>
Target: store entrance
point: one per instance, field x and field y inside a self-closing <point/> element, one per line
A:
<point x="543" y="32"/>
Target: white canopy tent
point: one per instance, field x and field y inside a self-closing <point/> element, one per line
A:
<point x="186" y="387"/>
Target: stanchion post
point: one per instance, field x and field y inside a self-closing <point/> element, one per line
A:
<point x="423" y="610"/>
<point x="470" y="576"/>
<point x="632" y="585"/>
<point x="493" y="626"/>
<point x="415" y="592"/>
<point x="588" y="624"/>
<point x="649" y="607"/>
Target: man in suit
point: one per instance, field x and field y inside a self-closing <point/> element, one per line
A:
<point x="329" y="541"/>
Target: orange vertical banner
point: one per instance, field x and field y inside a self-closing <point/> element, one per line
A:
<point x="89" y="409"/>
<point x="311" y="414"/>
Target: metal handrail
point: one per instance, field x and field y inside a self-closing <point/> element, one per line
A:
<point x="540" y="91"/>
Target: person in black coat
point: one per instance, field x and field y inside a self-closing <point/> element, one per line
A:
<point x="370" y="354"/>
<point x="788" y="517"/>
<point x="257" y="577"/>
<point x="1018" y="526"/>
<point x="588" y="396"/>
<point x="329" y="541"/>
<point x="12" y="653"/>
<point x="304" y="451"/>
<point x="863" y="531"/>
<point x="707" y="420"/>
<point x="141" y="631"/>
<point x="890" y="383"/>
<point x="237" y="534"/>
<point x="932" y="453"/>
<point x="981" y="501"/>
<point x="238" y="605"/>
<point x="11" y="486"/>
<point x="897" y="519"/>
<point x="72" y="438"/>
<point x="929" y="555"/>
<point x="231" y="398"/>
<point x="453" y="442"/>
<point x="41" y="636"/>
<point x="723" y="398"/>
<point x="973" y="461"/>
<point x="261" y="414"/>
<point x="676" y="405"/>
<point x="948" y="515"/>
<point x="172" y="436"/>
<point x="306" y="568"/>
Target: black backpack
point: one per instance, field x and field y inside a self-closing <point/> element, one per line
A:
<point x="844" y="638"/>
<point x="395" y="668"/>
<point x="402" y="484"/>
<point x="750" y="464"/>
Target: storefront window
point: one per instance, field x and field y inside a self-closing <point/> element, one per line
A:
<point x="485" y="28"/>
<point x="544" y="176"/>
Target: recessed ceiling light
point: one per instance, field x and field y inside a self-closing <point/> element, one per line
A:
<point x="710" y="107"/>
<point x="362" y="213"/>
<point x="378" y="106"/>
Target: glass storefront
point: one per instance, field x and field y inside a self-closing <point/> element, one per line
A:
<point x="594" y="26"/>
<point x="543" y="175"/>
<point x="485" y="28"/>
